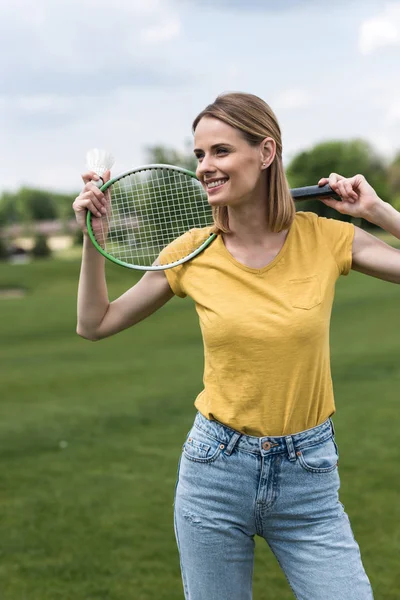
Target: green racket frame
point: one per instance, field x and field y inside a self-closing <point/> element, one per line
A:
<point x="122" y="263"/>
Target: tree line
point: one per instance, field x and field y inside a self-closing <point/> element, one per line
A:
<point x="348" y="158"/>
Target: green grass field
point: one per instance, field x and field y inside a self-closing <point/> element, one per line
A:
<point x="91" y="435"/>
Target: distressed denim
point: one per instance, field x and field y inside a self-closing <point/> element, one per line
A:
<point x="231" y="487"/>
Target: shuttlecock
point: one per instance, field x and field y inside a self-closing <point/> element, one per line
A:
<point x="99" y="161"/>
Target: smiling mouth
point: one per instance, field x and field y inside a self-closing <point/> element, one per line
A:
<point x="214" y="184"/>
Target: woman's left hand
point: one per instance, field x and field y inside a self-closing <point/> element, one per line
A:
<point x="359" y="198"/>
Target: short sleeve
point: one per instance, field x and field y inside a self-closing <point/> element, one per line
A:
<point x="180" y="247"/>
<point x="174" y="281"/>
<point x="338" y="236"/>
<point x="174" y="274"/>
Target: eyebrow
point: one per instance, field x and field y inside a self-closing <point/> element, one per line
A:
<point x="214" y="146"/>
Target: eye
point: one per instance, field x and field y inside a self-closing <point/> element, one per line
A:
<point x="222" y="150"/>
<point x="198" y="155"/>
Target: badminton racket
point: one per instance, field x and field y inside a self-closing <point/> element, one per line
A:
<point x="150" y="207"/>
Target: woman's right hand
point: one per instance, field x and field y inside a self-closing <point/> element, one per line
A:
<point x="91" y="198"/>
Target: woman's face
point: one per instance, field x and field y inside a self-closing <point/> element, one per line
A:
<point x="228" y="167"/>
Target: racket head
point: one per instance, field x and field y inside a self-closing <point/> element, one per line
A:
<point x="158" y="217"/>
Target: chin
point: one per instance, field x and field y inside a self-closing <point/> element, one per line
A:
<point x="219" y="199"/>
<point x="216" y="201"/>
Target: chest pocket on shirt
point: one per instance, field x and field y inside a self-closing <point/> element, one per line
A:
<point x="305" y="293"/>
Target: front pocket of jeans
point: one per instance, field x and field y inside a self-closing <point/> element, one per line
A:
<point x="305" y="293"/>
<point x="199" y="447"/>
<point x="321" y="458"/>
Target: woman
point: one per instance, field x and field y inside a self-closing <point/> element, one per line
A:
<point x="261" y="457"/>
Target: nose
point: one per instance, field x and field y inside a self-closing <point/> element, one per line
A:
<point x="205" y="166"/>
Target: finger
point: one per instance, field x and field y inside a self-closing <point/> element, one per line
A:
<point x="334" y="179"/>
<point x="106" y="175"/>
<point x="88" y="202"/>
<point x="358" y="182"/>
<point x="336" y="204"/>
<point x="345" y="190"/>
<point x="97" y="202"/>
<point x="341" y="189"/>
<point x="90" y="176"/>
<point x="323" y="181"/>
<point x="91" y="206"/>
<point x="351" y="193"/>
<point x="94" y="190"/>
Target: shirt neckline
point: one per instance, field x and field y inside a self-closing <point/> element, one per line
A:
<point x="268" y="266"/>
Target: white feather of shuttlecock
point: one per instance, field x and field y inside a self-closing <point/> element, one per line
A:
<point x="99" y="160"/>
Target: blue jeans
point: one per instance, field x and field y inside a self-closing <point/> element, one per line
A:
<point x="232" y="487"/>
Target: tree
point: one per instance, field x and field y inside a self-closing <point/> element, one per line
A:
<point x="3" y="249"/>
<point x="10" y="210"/>
<point x="28" y="204"/>
<point x="394" y="181"/>
<point x="169" y="156"/>
<point x="156" y="187"/>
<point x="41" y="248"/>
<point x="345" y="157"/>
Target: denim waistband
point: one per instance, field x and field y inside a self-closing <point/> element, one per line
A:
<point x="267" y="444"/>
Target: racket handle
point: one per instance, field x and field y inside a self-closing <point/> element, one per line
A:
<point x="311" y="192"/>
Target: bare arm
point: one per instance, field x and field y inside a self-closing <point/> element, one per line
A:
<point x="97" y="317"/>
<point x="370" y="255"/>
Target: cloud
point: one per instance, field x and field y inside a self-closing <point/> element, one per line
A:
<point x="155" y="34"/>
<point x="380" y="31"/>
<point x="292" y="99"/>
<point x="79" y="80"/>
<point x="85" y="46"/>
<point x="263" y="5"/>
<point x="393" y="113"/>
<point x="128" y="74"/>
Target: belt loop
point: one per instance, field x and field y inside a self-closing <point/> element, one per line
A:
<point x="332" y="427"/>
<point x="229" y="449"/>
<point x="290" y="447"/>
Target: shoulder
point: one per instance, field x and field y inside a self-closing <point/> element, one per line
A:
<point x="335" y="235"/>
<point x="304" y="231"/>
<point x="199" y="234"/>
<point x="305" y="220"/>
<point x="322" y="225"/>
<point x="184" y="244"/>
<point x="193" y="236"/>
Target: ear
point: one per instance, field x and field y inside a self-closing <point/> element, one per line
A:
<point x="267" y="152"/>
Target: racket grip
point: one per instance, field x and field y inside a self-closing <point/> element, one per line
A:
<point x="312" y="192"/>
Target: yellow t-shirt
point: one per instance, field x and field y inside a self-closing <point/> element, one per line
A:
<point x="266" y="331"/>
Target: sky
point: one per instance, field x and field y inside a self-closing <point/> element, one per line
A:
<point x="128" y="74"/>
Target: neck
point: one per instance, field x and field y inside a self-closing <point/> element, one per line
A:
<point x="248" y="221"/>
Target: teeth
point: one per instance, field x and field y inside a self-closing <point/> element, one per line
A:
<point x="216" y="183"/>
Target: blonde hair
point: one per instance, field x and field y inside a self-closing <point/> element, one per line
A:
<point x="255" y="120"/>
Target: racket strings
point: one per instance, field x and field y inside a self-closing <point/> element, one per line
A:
<point x="148" y="210"/>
